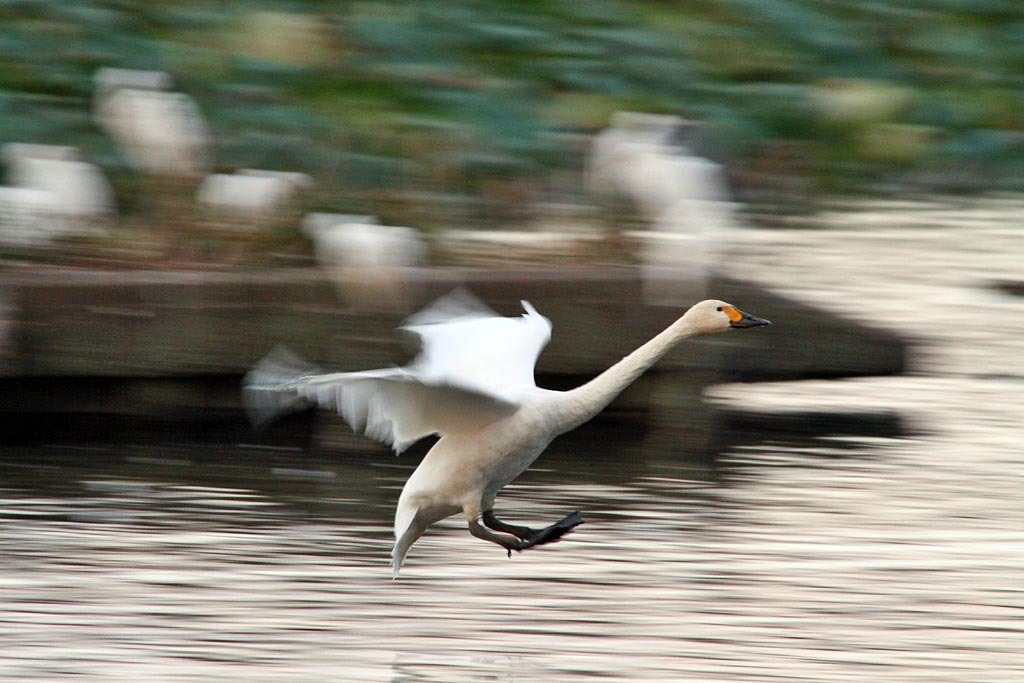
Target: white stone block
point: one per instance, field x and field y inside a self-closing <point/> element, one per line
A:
<point x="26" y="217"/>
<point x="159" y="133"/>
<point x="315" y="223"/>
<point x="51" y="192"/>
<point x="368" y="262"/>
<point x="79" y="190"/>
<point x="251" y="192"/>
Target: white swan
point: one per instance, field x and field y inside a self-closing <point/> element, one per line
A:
<point x="472" y="384"/>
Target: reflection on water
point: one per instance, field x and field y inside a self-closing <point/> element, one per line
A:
<point x="817" y="558"/>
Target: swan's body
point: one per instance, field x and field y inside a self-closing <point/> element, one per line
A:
<point x="473" y="385"/>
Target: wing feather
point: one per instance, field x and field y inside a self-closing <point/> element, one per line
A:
<point x="474" y="366"/>
<point x="390" y="406"/>
<point x="478" y="349"/>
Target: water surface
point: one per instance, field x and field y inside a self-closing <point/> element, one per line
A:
<point x="805" y="556"/>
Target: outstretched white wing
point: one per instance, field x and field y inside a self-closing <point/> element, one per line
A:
<point x="465" y="344"/>
<point x="472" y="369"/>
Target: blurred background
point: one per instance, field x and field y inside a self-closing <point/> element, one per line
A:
<point x="468" y="114"/>
<point x="187" y="185"/>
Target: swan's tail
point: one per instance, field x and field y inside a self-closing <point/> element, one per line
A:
<point x="265" y="391"/>
<point x="409" y="526"/>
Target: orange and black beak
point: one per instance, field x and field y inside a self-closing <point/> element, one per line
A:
<point x="741" y="320"/>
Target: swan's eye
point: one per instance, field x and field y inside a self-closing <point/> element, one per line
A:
<point x="719" y="309"/>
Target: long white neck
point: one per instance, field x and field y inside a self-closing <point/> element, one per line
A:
<point x="584" y="402"/>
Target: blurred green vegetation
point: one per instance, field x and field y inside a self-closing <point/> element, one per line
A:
<point x="465" y="111"/>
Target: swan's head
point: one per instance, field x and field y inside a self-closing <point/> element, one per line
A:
<point x="717" y="316"/>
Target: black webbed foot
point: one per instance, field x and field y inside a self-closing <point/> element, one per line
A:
<point x="527" y="537"/>
<point x="552" y="533"/>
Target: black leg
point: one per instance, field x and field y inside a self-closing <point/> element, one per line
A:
<point x="525" y="537"/>
<point x="507" y="542"/>
<point x="493" y="522"/>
